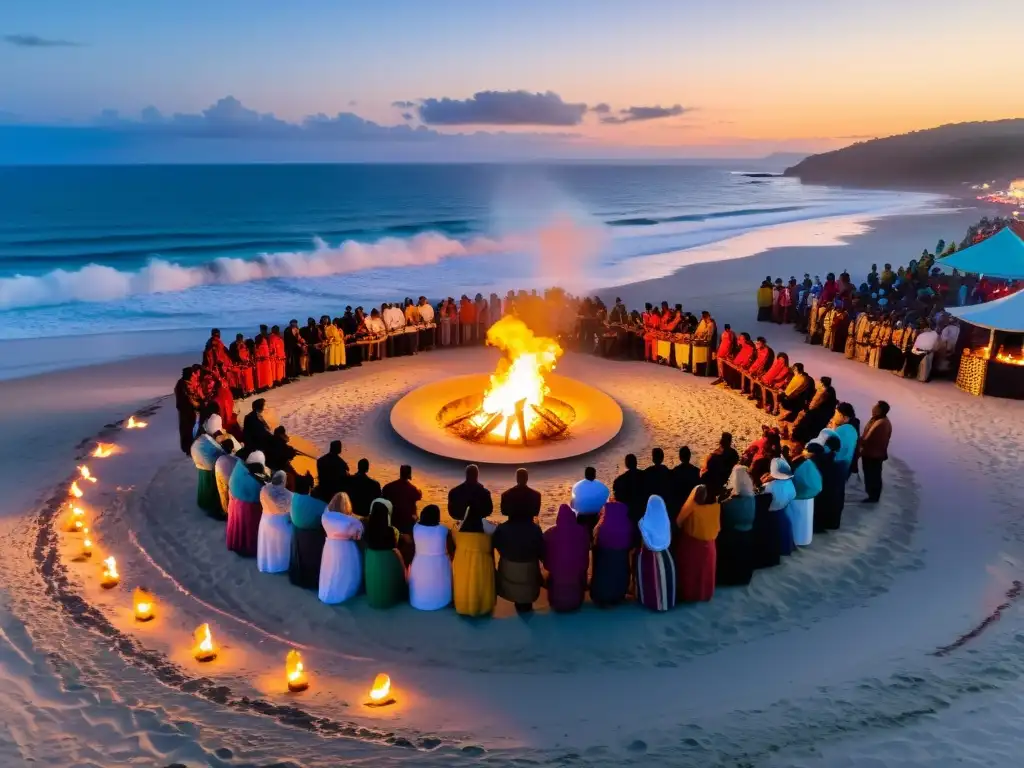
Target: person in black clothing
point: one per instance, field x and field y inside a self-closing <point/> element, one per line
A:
<point x="520" y="543"/>
<point x="657" y="477"/>
<point x="471" y="493"/>
<point x="521" y="500"/>
<point x="278" y="453"/>
<point x="256" y="432"/>
<point x="362" y="489"/>
<point x="331" y="472"/>
<point x="293" y="350"/>
<point x="718" y="466"/>
<point x="628" y="488"/>
<point x="404" y="496"/>
<point x="684" y="478"/>
<point x="186" y="410"/>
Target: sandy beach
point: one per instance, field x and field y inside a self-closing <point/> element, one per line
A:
<point x="862" y="650"/>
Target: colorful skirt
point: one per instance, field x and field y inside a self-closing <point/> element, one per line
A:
<point x="207" y="495"/>
<point x="655" y="579"/>
<point x="695" y="569"/>
<point x="384" y="573"/>
<point x="243" y="529"/>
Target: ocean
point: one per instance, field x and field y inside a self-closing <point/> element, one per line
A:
<point x="92" y="250"/>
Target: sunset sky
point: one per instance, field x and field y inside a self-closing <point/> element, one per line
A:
<point x="616" y="77"/>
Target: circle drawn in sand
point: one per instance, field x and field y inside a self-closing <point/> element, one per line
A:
<point x="421" y="418"/>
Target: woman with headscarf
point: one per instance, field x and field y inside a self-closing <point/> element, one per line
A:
<point x="473" y="577"/>
<point x="430" y="575"/>
<point x="698" y="523"/>
<point x="244" y="509"/>
<point x="205" y="452"/>
<point x="779" y="483"/>
<point x="655" y="568"/>
<point x="341" y="566"/>
<point x="807" y="482"/>
<point x="519" y="542"/>
<point x="222" y="470"/>
<point x="613" y="543"/>
<point x="384" y="570"/>
<point x="567" y="559"/>
<point x="308" y="537"/>
<point x="734" y="547"/>
<point x="274" y="539"/>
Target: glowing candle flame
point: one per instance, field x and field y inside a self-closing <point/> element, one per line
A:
<point x="380" y="693"/>
<point x="133" y="423"/>
<point x="110" y="575"/>
<point x="87" y="544"/>
<point x="203" y="648"/>
<point x="143" y="602"/>
<point x="103" y="450"/>
<point x="77" y="519"/>
<point x="296" y="672"/>
<point x="86" y="474"/>
<point x="75" y="491"/>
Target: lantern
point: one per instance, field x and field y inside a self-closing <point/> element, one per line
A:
<point x="133" y="423"/>
<point x="74" y="491"/>
<point x="103" y="450"/>
<point x="86" y="544"/>
<point x="297" y="680"/>
<point x="143" y="602"/>
<point x="86" y="474"/>
<point x="203" y="648"/>
<point x="380" y="693"/>
<point x="76" y="520"/>
<point x="110" y="576"/>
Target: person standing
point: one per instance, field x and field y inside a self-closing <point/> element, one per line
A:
<point x="331" y="473"/>
<point x="588" y="498"/>
<point x="471" y="493"/>
<point x="362" y="489"/>
<point x="874" y="450"/>
<point x="187" y="409"/>
<point x="521" y="500"/>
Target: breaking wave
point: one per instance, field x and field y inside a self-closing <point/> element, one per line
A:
<point x="96" y="282"/>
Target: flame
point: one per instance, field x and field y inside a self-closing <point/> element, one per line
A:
<point x="143" y="601"/>
<point x="77" y="519"/>
<point x="133" y="424"/>
<point x="87" y="544"/>
<point x="86" y="474"/>
<point x="103" y="450"/>
<point x="381" y="688"/>
<point x="519" y="377"/>
<point x="204" y="649"/>
<point x="1002" y="357"/>
<point x="110" y="574"/>
<point x="295" y="670"/>
<point x="75" y="491"/>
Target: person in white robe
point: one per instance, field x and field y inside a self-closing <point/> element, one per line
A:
<point x="588" y="498"/>
<point x="430" y="576"/>
<point x="274" y="545"/>
<point x="946" y="348"/>
<point x="923" y="353"/>
<point x="341" y="567"/>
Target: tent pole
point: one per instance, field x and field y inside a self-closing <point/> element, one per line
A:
<point x="992" y="344"/>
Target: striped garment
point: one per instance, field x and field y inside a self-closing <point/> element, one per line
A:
<point x="655" y="579"/>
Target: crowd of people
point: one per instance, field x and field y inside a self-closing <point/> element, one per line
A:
<point x="662" y="535"/>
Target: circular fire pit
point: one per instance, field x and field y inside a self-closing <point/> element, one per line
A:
<point x="444" y="418"/>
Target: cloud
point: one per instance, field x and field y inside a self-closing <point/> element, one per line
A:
<point x="638" y="114"/>
<point x="502" y="108"/>
<point x="408" y="116"/>
<point x="35" y="41"/>
<point x="403" y="104"/>
<point x="601" y="109"/>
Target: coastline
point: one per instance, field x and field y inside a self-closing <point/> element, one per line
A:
<point x="723" y="275"/>
<point x="899" y="582"/>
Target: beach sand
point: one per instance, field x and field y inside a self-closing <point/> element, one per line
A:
<point x="825" y="660"/>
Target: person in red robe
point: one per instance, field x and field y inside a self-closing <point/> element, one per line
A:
<point x="264" y="365"/>
<point x="651" y="330"/>
<point x="225" y="402"/>
<point x="725" y="349"/>
<point x="215" y="352"/>
<point x="277" y="353"/>
<point x="243" y="368"/>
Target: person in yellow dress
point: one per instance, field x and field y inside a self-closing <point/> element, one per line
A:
<point x="473" y="566"/>
<point x="335" y="346"/>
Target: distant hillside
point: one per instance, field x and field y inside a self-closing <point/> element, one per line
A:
<point x="950" y="154"/>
